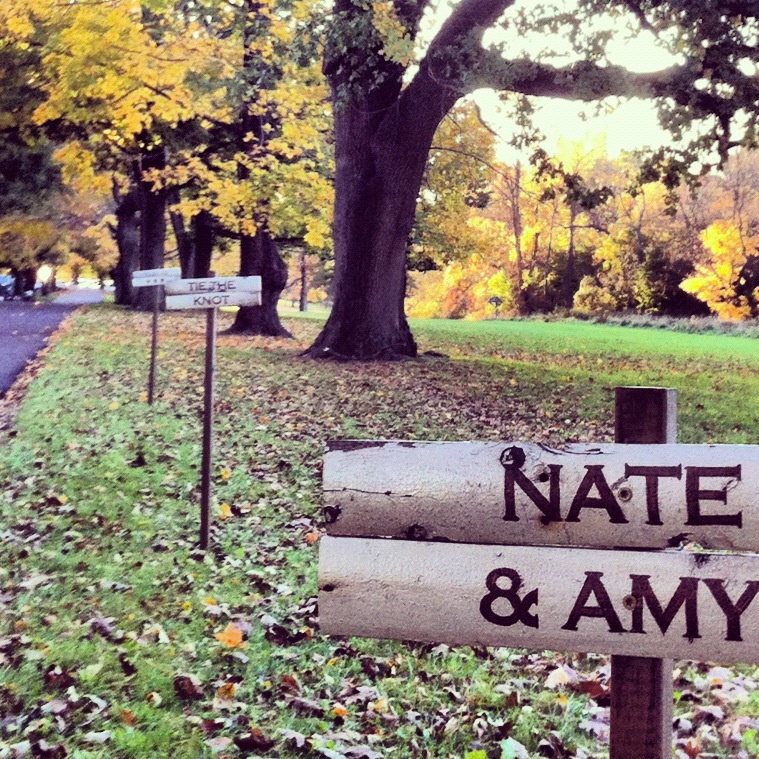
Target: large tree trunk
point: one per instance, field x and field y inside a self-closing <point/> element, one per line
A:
<point x="152" y="223"/>
<point x="259" y="256"/>
<point x="127" y="236"/>
<point x="380" y="158"/>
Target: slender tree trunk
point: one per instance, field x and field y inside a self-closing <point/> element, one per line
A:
<point x="185" y="242"/>
<point x="303" y="282"/>
<point x="570" y="278"/>
<point x="516" y="220"/>
<point x="152" y="223"/>
<point x="380" y="160"/>
<point x="259" y="255"/>
<point x="195" y="246"/>
<point x="126" y="233"/>
<point x="203" y="239"/>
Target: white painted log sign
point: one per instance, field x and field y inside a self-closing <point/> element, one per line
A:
<point x="213" y="292"/>
<point x="474" y="566"/>
<point x="634" y="496"/>
<point x="662" y="604"/>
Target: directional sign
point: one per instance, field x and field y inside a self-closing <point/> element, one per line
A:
<point x="213" y="300"/>
<point x="516" y="493"/>
<point x="153" y="277"/>
<point x="660" y="604"/>
<point x="213" y="292"/>
<point x="209" y="285"/>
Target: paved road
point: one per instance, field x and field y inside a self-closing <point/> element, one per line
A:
<point x="25" y="328"/>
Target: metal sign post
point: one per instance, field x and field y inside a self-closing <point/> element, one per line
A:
<point x="154" y="278"/>
<point x="210" y="293"/>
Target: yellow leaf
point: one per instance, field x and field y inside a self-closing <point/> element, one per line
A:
<point x="339" y="710"/>
<point x="208" y="601"/>
<point x="225" y="511"/>
<point x="227" y="691"/>
<point x="114" y="405"/>
<point x="225" y="475"/>
<point x="231" y="636"/>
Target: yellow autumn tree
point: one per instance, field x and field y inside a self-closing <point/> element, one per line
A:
<point x="715" y="282"/>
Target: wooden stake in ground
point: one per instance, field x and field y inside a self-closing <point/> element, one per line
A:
<point x="210" y="293"/>
<point x="154" y="278"/>
<point x="641" y="688"/>
<point x="207" y="455"/>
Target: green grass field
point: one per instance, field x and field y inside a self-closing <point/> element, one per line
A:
<point x="115" y="636"/>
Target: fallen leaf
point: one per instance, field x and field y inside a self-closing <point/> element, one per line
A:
<point x="293" y="738"/>
<point x="188" y="688"/>
<point x="290" y="685"/>
<point x="255" y="740"/>
<point x="102" y="737"/>
<point x="227" y="691"/>
<point x="46" y="750"/>
<point x="306" y="707"/>
<point x="56" y="706"/>
<point x="218" y="744"/>
<point x="231" y="636"/>
<point x="128" y="718"/>
<point x="154" y="698"/>
<point x="511" y="749"/>
<point x="225" y="511"/>
<point x="57" y="677"/>
<point x="363" y="752"/>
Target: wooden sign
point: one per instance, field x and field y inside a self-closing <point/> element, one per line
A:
<point x="659" y="604"/>
<point x="213" y="292"/>
<point x="153" y="277"/>
<point x="515" y="493"/>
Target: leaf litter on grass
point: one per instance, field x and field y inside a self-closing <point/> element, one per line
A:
<point x="120" y="638"/>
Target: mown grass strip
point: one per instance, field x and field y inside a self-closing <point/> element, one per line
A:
<point x="106" y="602"/>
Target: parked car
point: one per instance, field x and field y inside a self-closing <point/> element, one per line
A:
<point x="7" y="286"/>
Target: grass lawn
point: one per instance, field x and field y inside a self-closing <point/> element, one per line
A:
<point x="119" y="639"/>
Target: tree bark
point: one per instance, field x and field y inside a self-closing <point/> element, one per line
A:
<point x="127" y="236"/>
<point x="259" y="256"/>
<point x="203" y="238"/>
<point x="380" y="157"/>
<point x="571" y="282"/>
<point x="152" y="223"/>
<point x="185" y="243"/>
<point x="195" y="246"/>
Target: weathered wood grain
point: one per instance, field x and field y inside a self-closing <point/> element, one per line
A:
<point x="610" y="495"/>
<point x="662" y="604"/>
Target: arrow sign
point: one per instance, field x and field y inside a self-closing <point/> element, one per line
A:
<point x="153" y="277"/>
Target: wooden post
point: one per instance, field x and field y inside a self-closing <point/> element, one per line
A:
<point x="154" y="344"/>
<point x="641" y="688"/>
<point x="208" y="401"/>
